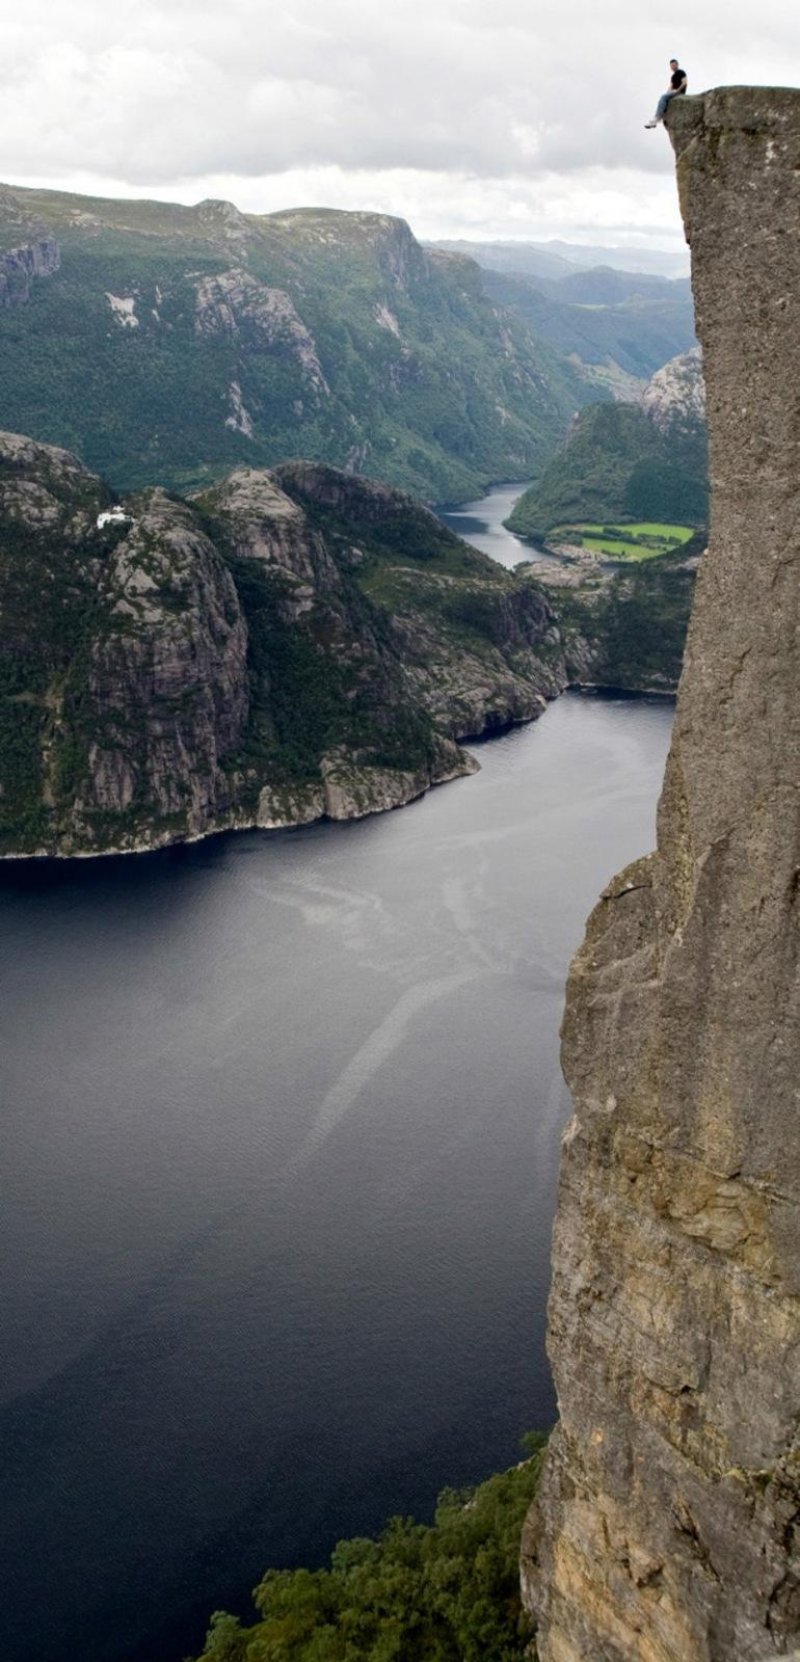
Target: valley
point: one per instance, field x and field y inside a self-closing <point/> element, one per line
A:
<point x="277" y="1179"/>
<point x="199" y="635"/>
<point x="165" y="345"/>
<point x="642" y="462"/>
<point x="631" y="541"/>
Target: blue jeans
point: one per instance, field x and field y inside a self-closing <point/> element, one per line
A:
<point x="663" y="104"/>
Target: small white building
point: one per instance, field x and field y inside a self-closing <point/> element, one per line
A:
<point x="113" y="516"/>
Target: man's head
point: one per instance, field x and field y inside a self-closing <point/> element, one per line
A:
<point x="673" y="63"/>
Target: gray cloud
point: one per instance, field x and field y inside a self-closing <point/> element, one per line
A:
<point x="169" y="91"/>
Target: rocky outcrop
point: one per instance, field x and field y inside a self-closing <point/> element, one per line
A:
<point x="286" y="646"/>
<point x="166" y="689"/>
<point x="675" y="397"/>
<point x="234" y="305"/>
<point x="23" y="462"/>
<point x="509" y="661"/>
<point x="262" y="522"/>
<point x="20" y="266"/>
<point x="668" y="1523"/>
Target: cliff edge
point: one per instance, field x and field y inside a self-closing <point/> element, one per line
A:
<point x="668" y="1523"/>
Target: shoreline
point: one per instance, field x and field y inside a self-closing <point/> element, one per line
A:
<point x="415" y="789"/>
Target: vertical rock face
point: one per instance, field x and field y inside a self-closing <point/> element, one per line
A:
<point x="668" y="1524"/>
<point x="20" y="266"/>
<point x="166" y="694"/>
<point x="286" y="645"/>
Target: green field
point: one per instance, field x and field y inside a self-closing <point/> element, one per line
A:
<point x="644" y="540"/>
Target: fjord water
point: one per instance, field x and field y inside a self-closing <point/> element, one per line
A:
<point x="481" y="524"/>
<point x="280" y="1138"/>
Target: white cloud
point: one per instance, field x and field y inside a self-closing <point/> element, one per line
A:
<point x="489" y="115"/>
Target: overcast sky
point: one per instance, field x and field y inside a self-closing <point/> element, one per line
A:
<point x="472" y="118"/>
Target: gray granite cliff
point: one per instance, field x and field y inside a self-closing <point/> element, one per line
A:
<point x="668" y="1523"/>
<point x="19" y="267"/>
<point x="283" y="647"/>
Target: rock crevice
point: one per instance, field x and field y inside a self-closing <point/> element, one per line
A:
<point x="668" y="1524"/>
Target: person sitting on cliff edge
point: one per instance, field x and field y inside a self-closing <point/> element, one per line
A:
<point x="677" y="85"/>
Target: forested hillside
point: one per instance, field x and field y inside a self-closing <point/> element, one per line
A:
<point x="643" y="461"/>
<point x="165" y="344"/>
<point x="286" y="646"/>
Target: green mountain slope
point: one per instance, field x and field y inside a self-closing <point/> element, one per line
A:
<point x="587" y="478"/>
<point x="636" y="333"/>
<point x="556" y="259"/>
<point x="604" y="285"/>
<point x="626" y="631"/>
<point x="287" y="646"/>
<point x="620" y="462"/>
<point x="164" y="343"/>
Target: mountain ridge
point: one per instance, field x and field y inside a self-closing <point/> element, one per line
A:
<point x="555" y="258"/>
<point x="165" y="344"/>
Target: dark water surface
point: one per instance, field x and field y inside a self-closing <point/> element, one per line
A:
<point x="481" y="523"/>
<point x="279" y="1142"/>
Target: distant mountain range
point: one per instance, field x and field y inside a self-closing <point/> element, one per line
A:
<point x="618" y="325"/>
<point x="616" y="345"/>
<point x="560" y="259"/>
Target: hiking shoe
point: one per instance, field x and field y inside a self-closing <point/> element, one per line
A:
<point x="651" y="124"/>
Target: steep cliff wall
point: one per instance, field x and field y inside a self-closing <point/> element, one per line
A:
<point x="668" y="1528"/>
<point x="211" y="338"/>
<point x="20" y="266"/>
<point x="285" y="646"/>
